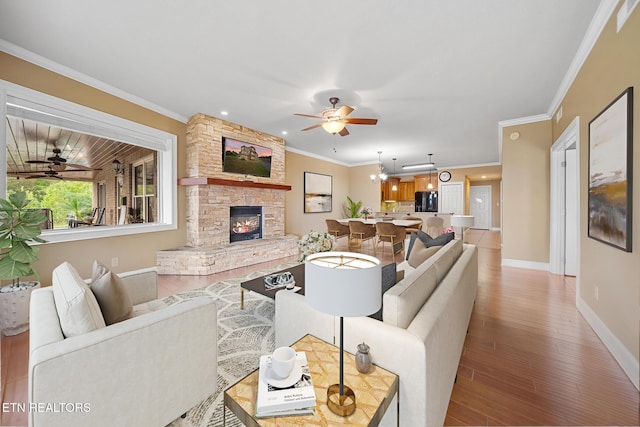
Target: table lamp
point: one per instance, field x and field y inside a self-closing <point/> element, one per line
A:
<point x="343" y="284"/>
<point x="462" y="221"/>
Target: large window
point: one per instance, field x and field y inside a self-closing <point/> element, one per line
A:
<point x="39" y="130"/>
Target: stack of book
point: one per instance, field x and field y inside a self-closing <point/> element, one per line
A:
<point x="278" y="397"/>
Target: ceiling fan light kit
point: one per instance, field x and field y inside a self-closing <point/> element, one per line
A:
<point x="336" y="120"/>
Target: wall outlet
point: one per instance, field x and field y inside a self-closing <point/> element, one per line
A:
<point x="596" y="293"/>
<point x="114" y="261"/>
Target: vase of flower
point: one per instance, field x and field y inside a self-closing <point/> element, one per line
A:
<point x="314" y="242"/>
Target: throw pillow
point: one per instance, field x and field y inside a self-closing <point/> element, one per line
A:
<point x="77" y="307"/>
<point x="441" y="240"/>
<point x="421" y="253"/>
<point x="388" y="280"/>
<point x="111" y="294"/>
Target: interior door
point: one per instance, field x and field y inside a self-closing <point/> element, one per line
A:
<point x="480" y="206"/>
<point x="451" y="197"/>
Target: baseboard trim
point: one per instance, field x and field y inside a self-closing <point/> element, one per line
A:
<point x="530" y="265"/>
<point x="623" y="356"/>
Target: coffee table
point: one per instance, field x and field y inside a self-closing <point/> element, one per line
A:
<point x="374" y="391"/>
<point x="257" y="284"/>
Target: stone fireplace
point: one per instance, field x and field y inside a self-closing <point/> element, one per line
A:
<point x="211" y="194"/>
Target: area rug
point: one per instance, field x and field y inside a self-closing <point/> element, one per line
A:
<point x="243" y="336"/>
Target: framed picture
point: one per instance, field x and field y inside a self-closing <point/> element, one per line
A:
<point x="610" y="173"/>
<point x="317" y="192"/>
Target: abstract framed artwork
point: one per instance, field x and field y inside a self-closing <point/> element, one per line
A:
<point x="611" y="173"/>
<point x="318" y="191"/>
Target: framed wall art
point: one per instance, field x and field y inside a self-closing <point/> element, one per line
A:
<point x="318" y="192"/>
<point x="611" y="173"/>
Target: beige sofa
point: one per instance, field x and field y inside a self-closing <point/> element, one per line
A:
<point x="144" y="371"/>
<point x="425" y="317"/>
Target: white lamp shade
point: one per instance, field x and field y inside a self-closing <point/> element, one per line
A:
<point x="343" y="283"/>
<point x="334" y="126"/>
<point x="462" y="220"/>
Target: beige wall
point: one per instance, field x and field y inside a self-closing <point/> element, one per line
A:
<point x="612" y="66"/>
<point x="133" y="251"/>
<point x="525" y="199"/>
<point x="298" y="222"/>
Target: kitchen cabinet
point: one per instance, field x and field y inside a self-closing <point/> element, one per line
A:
<point x="386" y="189"/>
<point x="406" y="191"/>
<point x="422" y="183"/>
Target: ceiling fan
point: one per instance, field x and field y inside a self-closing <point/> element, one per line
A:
<point x="335" y="119"/>
<point x="48" y="174"/>
<point x="58" y="163"/>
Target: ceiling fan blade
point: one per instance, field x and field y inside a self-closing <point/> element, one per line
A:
<point x="37" y="162"/>
<point x="313" y="127"/>
<point x="343" y="132"/>
<point x="344" y="111"/>
<point x="361" y="121"/>
<point x="43" y="177"/>
<point x="307" y="115"/>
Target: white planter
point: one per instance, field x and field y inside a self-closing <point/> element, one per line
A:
<point x="14" y="307"/>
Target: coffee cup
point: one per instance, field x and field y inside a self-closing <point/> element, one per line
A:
<point x="283" y="360"/>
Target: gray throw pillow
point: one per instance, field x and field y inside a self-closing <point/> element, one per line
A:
<point x="388" y="280"/>
<point x="428" y="241"/>
<point x="111" y="294"/>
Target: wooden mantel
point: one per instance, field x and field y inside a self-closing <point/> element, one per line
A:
<point x="232" y="183"/>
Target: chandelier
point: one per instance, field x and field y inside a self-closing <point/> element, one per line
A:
<point x="381" y="176"/>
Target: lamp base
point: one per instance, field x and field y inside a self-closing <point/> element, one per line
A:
<point x="343" y="405"/>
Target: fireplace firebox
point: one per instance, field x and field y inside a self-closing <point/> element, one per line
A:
<point x="245" y="223"/>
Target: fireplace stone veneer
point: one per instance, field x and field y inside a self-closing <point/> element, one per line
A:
<point x="210" y="193"/>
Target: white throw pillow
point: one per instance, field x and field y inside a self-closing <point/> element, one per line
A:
<point x="76" y="305"/>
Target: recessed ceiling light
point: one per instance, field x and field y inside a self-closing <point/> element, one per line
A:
<point x="284" y="132"/>
<point x="483" y="176"/>
<point x="224" y="113"/>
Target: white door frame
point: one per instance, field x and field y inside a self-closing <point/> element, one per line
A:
<point x="570" y="136"/>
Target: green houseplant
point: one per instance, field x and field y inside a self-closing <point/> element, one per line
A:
<point x="19" y="226"/>
<point x="353" y="208"/>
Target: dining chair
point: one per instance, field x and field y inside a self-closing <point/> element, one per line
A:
<point x="435" y="225"/>
<point x="359" y="232"/>
<point x="337" y="229"/>
<point x="413" y="228"/>
<point x="391" y="233"/>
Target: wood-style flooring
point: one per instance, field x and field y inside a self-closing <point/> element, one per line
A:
<point x="529" y="358"/>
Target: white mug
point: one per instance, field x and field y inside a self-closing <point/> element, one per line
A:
<point x="283" y="360"/>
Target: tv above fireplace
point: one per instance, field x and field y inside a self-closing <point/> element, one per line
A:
<point x="245" y="158"/>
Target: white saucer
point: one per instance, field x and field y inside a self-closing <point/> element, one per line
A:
<point x="293" y="377"/>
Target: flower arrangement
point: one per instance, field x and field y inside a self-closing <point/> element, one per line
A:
<point x="366" y="212"/>
<point x="449" y="230"/>
<point x="315" y="242"/>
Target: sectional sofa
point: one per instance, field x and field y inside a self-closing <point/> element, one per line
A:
<point x="425" y="317"/>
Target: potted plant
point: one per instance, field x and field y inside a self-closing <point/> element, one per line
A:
<point x="19" y="226"/>
<point x="353" y="208"/>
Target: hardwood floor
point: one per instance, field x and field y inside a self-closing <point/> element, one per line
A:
<point x="529" y="358"/>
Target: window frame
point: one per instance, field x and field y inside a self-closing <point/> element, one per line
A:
<point x="33" y="104"/>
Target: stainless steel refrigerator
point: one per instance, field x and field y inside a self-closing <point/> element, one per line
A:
<point x="426" y="201"/>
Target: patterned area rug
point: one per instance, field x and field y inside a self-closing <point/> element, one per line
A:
<point x="243" y="336"/>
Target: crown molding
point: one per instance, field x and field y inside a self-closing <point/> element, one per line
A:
<point x="600" y="19"/>
<point x="50" y="65"/>
<point x="315" y="156"/>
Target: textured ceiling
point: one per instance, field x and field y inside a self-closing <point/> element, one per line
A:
<point x="438" y="75"/>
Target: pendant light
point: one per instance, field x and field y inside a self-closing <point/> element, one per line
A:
<point x="394" y="187"/>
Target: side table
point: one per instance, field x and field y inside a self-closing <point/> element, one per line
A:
<point x="374" y="391"/>
<point x="14" y="308"/>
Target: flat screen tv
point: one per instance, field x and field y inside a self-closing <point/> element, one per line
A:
<point x="245" y="158"/>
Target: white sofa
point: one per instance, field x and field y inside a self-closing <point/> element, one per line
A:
<point x="421" y="334"/>
<point x="144" y="371"/>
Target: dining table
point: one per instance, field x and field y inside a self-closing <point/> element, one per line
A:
<point x="372" y="221"/>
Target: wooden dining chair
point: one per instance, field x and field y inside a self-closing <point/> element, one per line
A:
<point x="435" y="225"/>
<point x="360" y="232"/>
<point x="391" y="233"/>
<point x="413" y="228"/>
<point x="337" y="229"/>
